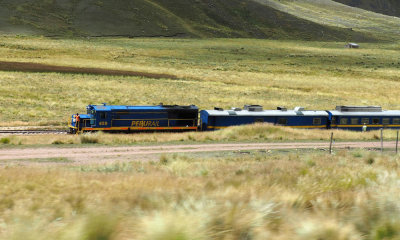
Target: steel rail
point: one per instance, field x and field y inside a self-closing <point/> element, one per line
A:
<point x="32" y="132"/>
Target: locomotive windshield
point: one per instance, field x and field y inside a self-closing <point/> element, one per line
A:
<point x="91" y="112"/>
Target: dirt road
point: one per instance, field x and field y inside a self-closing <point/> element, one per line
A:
<point x="84" y="154"/>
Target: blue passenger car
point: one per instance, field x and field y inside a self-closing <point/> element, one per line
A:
<point x="373" y="117"/>
<point x="297" y="118"/>
<point x="113" y="118"/>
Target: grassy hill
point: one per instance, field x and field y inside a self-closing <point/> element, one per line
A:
<point x="331" y="13"/>
<point x="388" y="7"/>
<point x="150" y="18"/>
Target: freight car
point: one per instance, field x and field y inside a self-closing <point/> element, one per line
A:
<point x="112" y="118"/>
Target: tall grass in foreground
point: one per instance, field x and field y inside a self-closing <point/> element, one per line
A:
<point x="256" y="132"/>
<point x="295" y="195"/>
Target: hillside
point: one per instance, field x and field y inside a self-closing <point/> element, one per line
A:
<point x="145" y="18"/>
<point x="331" y="13"/>
<point x="388" y="7"/>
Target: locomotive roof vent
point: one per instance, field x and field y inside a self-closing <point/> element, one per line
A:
<point x="218" y="109"/>
<point x="359" y="108"/>
<point x="253" y="108"/>
<point x="236" y="109"/>
<point x="283" y="109"/>
<point x="231" y="112"/>
<point x="299" y="110"/>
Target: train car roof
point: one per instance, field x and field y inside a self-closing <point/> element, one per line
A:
<point x="82" y="116"/>
<point x="265" y="113"/>
<point x="367" y="114"/>
<point x="126" y="108"/>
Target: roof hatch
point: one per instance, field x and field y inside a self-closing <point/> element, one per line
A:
<point x="359" y="108"/>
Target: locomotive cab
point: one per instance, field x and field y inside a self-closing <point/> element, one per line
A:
<point x="75" y="126"/>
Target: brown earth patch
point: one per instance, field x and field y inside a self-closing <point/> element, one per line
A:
<point x="39" y="67"/>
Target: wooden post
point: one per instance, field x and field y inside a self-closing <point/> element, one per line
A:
<point x="397" y="141"/>
<point x="381" y="139"/>
<point x="330" y="145"/>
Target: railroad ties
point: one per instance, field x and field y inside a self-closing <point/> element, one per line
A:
<point x="32" y="132"/>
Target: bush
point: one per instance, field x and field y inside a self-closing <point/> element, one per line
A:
<point x="57" y="142"/>
<point x="164" y="159"/>
<point x="89" y="138"/>
<point x="102" y="227"/>
<point x="5" y="140"/>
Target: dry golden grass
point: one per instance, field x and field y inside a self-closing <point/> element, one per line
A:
<point x="257" y="132"/>
<point x="279" y="195"/>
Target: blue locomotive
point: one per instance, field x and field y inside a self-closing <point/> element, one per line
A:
<point x="113" y="118"/>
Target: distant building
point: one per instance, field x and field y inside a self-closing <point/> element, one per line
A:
<point x="352" y="45"/>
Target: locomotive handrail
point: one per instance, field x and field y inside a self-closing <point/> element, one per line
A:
<point x="83" y="125"/>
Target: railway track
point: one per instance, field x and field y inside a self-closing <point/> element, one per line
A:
<point x="32" y="132"/>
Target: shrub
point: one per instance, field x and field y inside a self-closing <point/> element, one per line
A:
<point x="164" y="159"/>
<point x="5" y="140"/>
<point x="57" y="142"/>
<point x="89" y="138"/>
<point x="102" y="227"/>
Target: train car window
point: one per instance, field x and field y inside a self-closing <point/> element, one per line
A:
<point x="343" y="121"/>
<point x="317" y="121"/>
<point x="386" y="121"/>
<point x="375" y="121"/>
<point x="103" y="115"/>
<point x="333" y="120"/>
<point x="354" y="121"/>
<point x="282" y="121"/>
<point x="259" y="120"/>
<point x="364" y="120"/>
<point x="396" y="120"/>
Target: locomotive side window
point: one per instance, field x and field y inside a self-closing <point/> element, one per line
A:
<point x="386" y="121"/>
<point x="375" y="121"/>
<point x="103" y="115"/>
<point x="354" y="121"/>
<point x="282" y="121"/>
<point x="396" y="121"/>
<point x="317" y="121"/>
<point x="333" y="120"/>
<point x="343" y="121"/>
<point x="364" y="120"/>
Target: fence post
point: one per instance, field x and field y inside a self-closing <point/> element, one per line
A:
<point x="397" y="141"/>
<point x="330" y="145"/>
<point x="381" y="140"/>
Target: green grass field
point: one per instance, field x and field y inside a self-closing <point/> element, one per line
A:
<point x="214" y="72"/>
